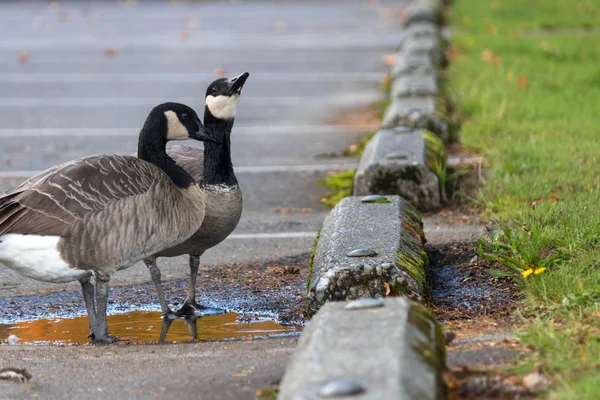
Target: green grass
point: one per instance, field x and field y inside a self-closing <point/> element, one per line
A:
<point x="525" y="80"/>
<point x="339" y="185"/>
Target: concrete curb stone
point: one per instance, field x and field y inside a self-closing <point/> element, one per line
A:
<point x="414" y="85"/>
<point x="412" y="64"/>
<point x="427" y="46"/>
<point x="395" y="351"/>
<point x="424" y="11"/>
<point x="425" y="112"/>
<point x="396" y="161"/>
<point x="420" y="11"/>
<point x="419" y="30"/>
<point x="391" y="229"/>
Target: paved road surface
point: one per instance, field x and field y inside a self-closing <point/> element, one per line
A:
<point x="78" y="78"/>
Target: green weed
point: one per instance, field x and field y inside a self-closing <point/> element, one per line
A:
<point x="339" y="185"/>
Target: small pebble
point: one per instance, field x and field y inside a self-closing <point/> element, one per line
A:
<point x="362" y="253"/>
<point x="367" y="269"/>
<point x="13" y="340"/>
<point x="15" y="374"/>
<point x="386" y="265"/>
<point x="364" y="303"/>
<point x="341" y="388"/>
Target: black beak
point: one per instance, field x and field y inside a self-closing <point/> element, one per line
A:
<point x="237" y="83"/>
<point x="204" y="135"/>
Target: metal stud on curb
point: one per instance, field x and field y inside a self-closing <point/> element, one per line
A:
<point x="364" y="303"/>
<point x="341" y="388"/>
<point x="397" y="156"/>
<point x="362" y="253"/>
<point x="372" y="198"/>
<point x="402" y="129"/>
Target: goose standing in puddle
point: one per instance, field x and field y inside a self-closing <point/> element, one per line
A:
<point x="98" y="214"/>
<point x="213" y="170"/>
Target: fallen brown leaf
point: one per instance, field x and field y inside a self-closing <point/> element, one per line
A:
<point x="63" y="16"/>
<point x="111" y="52"/>
<point x="487" y="55"/>
<point x="522" y="81"/>
<point x="280" y="27"/>
<point x="220" y="73"/>
<point x="285" y="270"/>
<point x="23" y="58"/>
<point x="389" y="59"/>
<point x="387" y="288"/>
<point x="449" y="337"/>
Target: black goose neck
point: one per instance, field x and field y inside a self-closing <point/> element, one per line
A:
<point x="152" y="148"/>
<point x="218" y="169"/>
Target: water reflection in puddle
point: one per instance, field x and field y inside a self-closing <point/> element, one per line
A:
<point x="145" y="327"/>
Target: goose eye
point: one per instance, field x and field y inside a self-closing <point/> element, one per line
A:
<point x="214" y="89"/>
<point x="184" y="116"/>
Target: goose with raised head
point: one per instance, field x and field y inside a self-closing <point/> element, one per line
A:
<point x="98" y="214"/>
<point x="211" y="167"/>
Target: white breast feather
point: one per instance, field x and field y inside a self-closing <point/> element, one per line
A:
<point x="37" y="257"/>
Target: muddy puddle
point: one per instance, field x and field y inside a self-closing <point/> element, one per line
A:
<point x="147" y="327"/>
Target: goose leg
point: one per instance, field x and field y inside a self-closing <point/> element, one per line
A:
<point x="156" y="278"/>
<point x="100" y="335"/>
<point x="90" y="302"/>
<point x="190" y="307"/>
<point x="164" y="329"/>
<point x="192" y="324"/>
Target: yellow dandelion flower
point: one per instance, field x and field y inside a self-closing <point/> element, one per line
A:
<point x="539" y="270"/>
<point x="527" y="272"/>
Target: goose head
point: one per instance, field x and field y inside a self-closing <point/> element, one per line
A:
<point x="175" y="121"/>
<point x="223" y="95"/>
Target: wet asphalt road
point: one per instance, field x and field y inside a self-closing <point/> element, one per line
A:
<point x="78" y="78"/>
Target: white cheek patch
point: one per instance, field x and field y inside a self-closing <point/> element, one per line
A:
<point x="222" y="107"/>
<point x="175" y="129"/>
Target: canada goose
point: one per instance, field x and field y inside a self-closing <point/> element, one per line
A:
<point x="213" y="170"/>
<point x="98" y="214"/>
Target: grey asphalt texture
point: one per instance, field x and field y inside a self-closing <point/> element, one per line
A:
<point x="79" y="78"/>
<point x="93" y="70"/>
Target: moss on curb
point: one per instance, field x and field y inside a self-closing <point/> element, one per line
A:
<point x="437" y="160"/>
<point x="421" y="318"/>
<point x="413" y="265"/>
<point x="312" y="260"/>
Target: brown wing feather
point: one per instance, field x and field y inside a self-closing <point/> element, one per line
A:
<point x="53" y="200"/>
